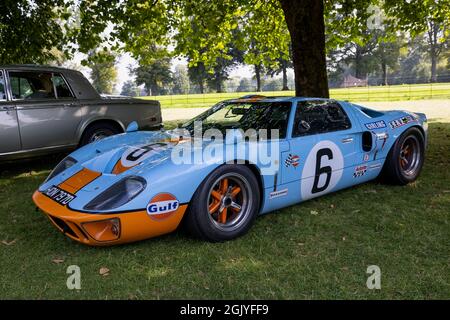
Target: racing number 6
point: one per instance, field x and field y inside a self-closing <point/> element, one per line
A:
<point x="322" y="170"/>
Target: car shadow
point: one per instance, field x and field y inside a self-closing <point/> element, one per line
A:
<point x="10" y="169"/>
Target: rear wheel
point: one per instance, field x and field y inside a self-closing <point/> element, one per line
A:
<point x="98" y="131"/>
<point x="405" y="159"/>
<point x="225" y="205"/>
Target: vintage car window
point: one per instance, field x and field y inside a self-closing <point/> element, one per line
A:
<point x="28" y="85"/>
<point x="245" y="115"/>
<point x="319" y="116"/>
<point x="2" y="87"/>
<point x="62" y="89"/>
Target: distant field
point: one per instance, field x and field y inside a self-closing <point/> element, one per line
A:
<point x="373" y="93"/>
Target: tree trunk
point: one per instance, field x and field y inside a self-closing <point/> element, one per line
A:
<point x="258" y="77"/>
<point x="201" y="86"/>
<point x="305" y="21"/>
<point x="433" y="64"/>
<point x="358" y="63"/>
<point x="384" y="71"/>
<point x="285" y="79"/>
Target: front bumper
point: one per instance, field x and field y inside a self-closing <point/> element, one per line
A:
<point x="134" y="226"/>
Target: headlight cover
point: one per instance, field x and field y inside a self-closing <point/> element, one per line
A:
<point x="65" y="164"/>
<point x="118" y="194"/>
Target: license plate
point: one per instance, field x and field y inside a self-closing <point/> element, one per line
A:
<point x="58" y="195"/>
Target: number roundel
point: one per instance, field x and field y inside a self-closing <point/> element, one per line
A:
<point x="322" y="171"/>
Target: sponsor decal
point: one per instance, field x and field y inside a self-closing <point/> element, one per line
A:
<point x="375" y="166"/>
<point x="59" y="195"/>
<point x="292" y="160"/>
<point x="359" y="171"/>
<point x="376" y="125"/>
<point x="277" y="194"/>
<point x="382" y="136"/>
<point x="162" y="206"/>
<point x="401" y="122"/>
<point x="366" y="157"/>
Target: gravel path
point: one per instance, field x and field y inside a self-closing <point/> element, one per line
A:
<point x="436" y="110"/>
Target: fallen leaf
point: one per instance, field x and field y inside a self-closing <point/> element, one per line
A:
<point x="313" y="212"/>
<point x="6" y="243"/>
<point x="332" y="206"/>
<point x="356" y="211"/>
<point x="343" y="238"/>
<point x="104" y="271"/>
<point x="58" y="260"/>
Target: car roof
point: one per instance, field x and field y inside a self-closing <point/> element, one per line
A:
<point x="36" y="67"/>
<point x="261" y="98"/>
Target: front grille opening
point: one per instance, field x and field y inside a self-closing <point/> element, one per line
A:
<point x="63" y="226"/>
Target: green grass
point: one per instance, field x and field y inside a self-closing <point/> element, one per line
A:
<point x="289" y="254"/>
<point x="373" y="93"/>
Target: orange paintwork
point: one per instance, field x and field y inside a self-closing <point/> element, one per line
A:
<point x="119" y="167"/>
<point x="134" y="226"/>
<point x="79" y="180"/>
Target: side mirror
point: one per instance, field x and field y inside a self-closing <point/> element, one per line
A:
<point x="132" y="127"/>
<point x="303" y="126"/>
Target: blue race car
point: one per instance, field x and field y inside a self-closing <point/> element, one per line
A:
<point x="216" y="173"/>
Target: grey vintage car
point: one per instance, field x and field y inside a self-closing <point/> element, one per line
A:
<point x="46" y="109"/>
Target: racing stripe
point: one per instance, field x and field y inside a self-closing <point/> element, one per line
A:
<point x="79" y="180"/>
<point x="119" y="167"/>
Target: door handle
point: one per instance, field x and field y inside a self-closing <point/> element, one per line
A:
<point x="347" y="140"/>
<point x="69" y="105"/>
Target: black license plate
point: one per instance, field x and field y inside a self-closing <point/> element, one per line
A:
<point x="59" y="195"/>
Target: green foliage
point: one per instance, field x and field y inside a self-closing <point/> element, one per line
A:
<point x="103" y="71"/>
<point x="180" y="80"/>
<point x="156" y="74"/>
<point x="30" y="30"/>
<point x="129" y="89"/>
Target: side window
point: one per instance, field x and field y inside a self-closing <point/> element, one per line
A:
<point x="319" y="116"/>
<point x="26" y="85"/>
<point x="2" y="87"/>
<point x="62" y="89"/>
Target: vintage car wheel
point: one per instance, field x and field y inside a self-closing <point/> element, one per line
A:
<point x="405" y="159"/>
<point x="225" y="205"/>
<point x="97" y="132"/>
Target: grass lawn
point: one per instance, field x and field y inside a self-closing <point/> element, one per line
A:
<point x="373" y="93"/>
<point x="291" y="254"/>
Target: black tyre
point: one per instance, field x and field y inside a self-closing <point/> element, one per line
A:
<point x="405" y="159"/>
<point x="97" y="132"/>
<point x="225" y="205"/>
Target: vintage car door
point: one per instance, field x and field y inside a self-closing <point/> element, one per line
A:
<point x="47" y="111"/>
<point x="9" y="128"/>
<point x="323" y="148"/>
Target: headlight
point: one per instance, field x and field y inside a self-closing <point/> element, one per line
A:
<point x="117" y="195"/>
<point x="63" y="165"/>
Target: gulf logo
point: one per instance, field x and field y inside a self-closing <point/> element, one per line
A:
<point x="162" y="206"/>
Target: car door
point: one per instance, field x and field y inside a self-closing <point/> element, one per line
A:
<point x="9" y="127"/>
<point x="322" y="148"/>
<point x="46" y="119"/>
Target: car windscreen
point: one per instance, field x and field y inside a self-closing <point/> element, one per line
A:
<point x="245" y="116"/>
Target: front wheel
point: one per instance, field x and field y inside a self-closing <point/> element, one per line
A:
<point x="405" y="159"/>
<point x="225" y="205"/>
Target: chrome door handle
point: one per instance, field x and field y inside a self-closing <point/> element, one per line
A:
<point x="347" y="140"/>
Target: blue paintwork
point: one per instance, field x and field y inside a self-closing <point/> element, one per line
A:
<point x="162" y="175"/>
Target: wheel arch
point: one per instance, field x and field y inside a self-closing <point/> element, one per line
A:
<point x="117" y="123"/>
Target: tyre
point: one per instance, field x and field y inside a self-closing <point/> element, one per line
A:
<point x="405" y="159"/>
<point x="225" y="205"/>
<point x="97" y="132"/>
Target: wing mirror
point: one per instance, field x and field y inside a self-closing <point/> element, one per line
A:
<point x="132" y="127"/>
<point x="303" y="126"/>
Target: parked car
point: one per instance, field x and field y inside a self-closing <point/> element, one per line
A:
<point x="132" y="186"/>
<point x="46" y="109"/>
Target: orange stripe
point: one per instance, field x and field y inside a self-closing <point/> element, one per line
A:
<point x="119" y="168"/>
<point x="79" y="180"/>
